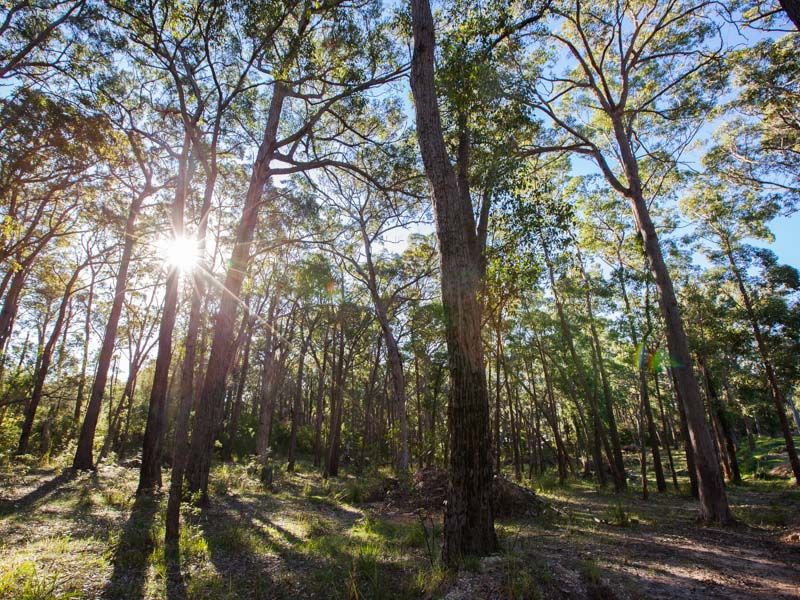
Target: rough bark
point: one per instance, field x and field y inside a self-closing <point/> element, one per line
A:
<point x="469" y="514"/>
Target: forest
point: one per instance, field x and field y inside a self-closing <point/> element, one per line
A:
<point x="364" y="299"/>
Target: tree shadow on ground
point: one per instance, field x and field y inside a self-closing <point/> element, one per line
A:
<point x="176" y="586"/>
<point x="30" y="499"/>
<point x="132" y="551"/>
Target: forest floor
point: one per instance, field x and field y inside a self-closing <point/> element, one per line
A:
<point x="86" y="536"/>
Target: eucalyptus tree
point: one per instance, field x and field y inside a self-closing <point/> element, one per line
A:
<point x="40" y="37"/>
<point x="758" y="143"/>
<point x="48" y="148"/>
<point x="135" y="174"/>
<point x="478" y="33"/>
<point x="728" y="217"/>
<point x="47" y="354"/>
<point x="316" y="90"/>
<point x="638" y="83"/>
<point x="367" y="218"/>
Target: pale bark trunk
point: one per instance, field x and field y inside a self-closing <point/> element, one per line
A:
<point x="713" y="499"/>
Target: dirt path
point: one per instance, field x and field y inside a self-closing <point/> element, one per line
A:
<point x="660" y="553"/>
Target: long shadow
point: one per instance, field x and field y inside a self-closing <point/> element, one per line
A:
<point x="176" y="586"/>
<point x="245" y="572"/>
<point x="27" y="501"/>
<point x="132" y="551"/>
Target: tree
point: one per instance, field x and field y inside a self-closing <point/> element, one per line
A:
<point x="647" y="101"/>
<point x="730" y="218"/>
<point x="469" y="516"/>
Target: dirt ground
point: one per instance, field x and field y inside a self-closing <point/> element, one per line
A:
<point x="84" y="536"/>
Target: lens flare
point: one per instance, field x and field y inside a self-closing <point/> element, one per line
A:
<point x="180" y="252"/>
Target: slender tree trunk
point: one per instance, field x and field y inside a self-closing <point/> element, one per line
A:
<point x="214" y="384"/>
<point x="337" y="402"/>
<point x="297" y="407"/>
<point x="664" y="430"/>
<point x="599" y="436"/>
<point x="713" y="499"/>
<point x="393" y="356"/>
<point x="84" y="453"/>
<point x="87" y="330"/>
<point x="775" y="390"/>
<point x="320" y="405"/>
<point x="236" y="410"/>
<point x="150" y="472"/>
<point x="687" y="444"/>
<point x="618" y="464"/>
<point x="735" y="475"/>
<point x="44" y="364"/>
<point x="497" y="445"/>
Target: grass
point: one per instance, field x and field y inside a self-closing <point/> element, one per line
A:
<point x="90" y="537"/>
<point x="767" y="454"/>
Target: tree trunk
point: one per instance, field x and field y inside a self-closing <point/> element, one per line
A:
<point x="297" y="407"/>
<point x="214" y="384"/>
<point x="87" y="330"/>
<point x="393" y="356"/>
<point x="319" y="412"/>
<point x="469" y="514"/>
<point x="713" y="500"/>
<point x="792" y="9"/>
<point x="150" y="471"/>
<point x="44" y="364"/>
<point x="727" y="442"/>
<point x="599" y="438"/>
<point x="618" y="464"/>
<point x="84" y="453"/>
<point x="337" y="401"/>
<point x="772" y="381"/>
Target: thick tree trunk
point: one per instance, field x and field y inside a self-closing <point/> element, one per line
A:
<point x="10" y="306"/>
<point x="792" y="9"/>
<point x="469" y="514"/>
<point x="84" y="453"/>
